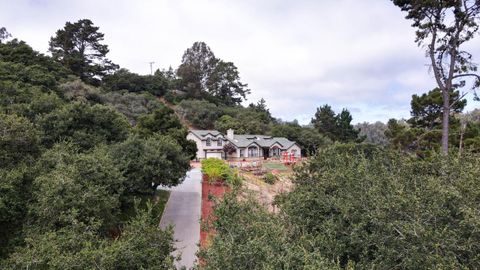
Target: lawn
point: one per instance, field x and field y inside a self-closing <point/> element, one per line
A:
<point x="274" y="166"/>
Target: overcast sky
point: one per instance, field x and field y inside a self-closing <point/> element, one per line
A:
<point x="297" y="55"/>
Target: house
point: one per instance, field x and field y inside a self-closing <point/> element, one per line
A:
<point x="210" y="143"/>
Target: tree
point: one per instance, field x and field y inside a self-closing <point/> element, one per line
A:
<point x="373" y="132"/>
<point x="19" y="141"/>
<point x="224" y="84"/>
<point x="229" y="149"/>
<point x="148" y="163"/>
<point x="85" y="187"/>
<point x="427" y="109"/>
<point x="84" y="125"/>
<point x="4" y="34"/>
<point x="123" y="79"/>
<point x="325" y="121"/>
<point x="78" y="47"/>
<point x="365" y="207"/>
<point x="444" y="26"/>
<point x="202" y="75"/>
<point x="164" y="121"/>
<point x="336" y="127"/>
<point x="346" y="131"/>
<point x="198" y="62"/>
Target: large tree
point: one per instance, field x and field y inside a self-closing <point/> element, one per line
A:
<point x="78" y="46"/>
<point x="202" y="75"/>
<point x="198" y="62"/>
<point x="442" y="28"/>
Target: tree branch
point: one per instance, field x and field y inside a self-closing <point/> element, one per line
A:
<point x="466" y="75"/>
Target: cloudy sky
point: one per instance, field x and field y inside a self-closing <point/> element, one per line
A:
<point x="298" y="55"/>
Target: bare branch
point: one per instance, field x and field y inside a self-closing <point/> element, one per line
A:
<point x="466" y="75"/>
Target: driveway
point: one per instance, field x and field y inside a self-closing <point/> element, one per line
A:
<point x="183" y="212"/>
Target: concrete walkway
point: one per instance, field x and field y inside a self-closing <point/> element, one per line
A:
<point x="183" y="212"/>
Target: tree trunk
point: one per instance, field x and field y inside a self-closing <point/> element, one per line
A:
<point x="445" y="120"/>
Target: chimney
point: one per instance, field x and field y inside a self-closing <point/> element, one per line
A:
<point x="230" y="134"/>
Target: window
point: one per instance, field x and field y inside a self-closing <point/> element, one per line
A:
<point x="219" y="142"/>
<point x="294" y="152"/>
<point x="209" y="142"/>
<point x="252" y="151"/>
<point x="241" y="152"/>
<point x="275" y="151"/>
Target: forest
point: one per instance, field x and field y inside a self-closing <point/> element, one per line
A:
<point x="85" y="144"/>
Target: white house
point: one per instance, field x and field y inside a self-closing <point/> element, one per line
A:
<point x="210" y="143"/>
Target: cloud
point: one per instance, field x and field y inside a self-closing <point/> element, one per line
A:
<point x="297" y="55"/>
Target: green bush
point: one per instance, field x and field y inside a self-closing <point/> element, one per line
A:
<point x="270" y="178"/>
<point x="380" y="209"/>
<point x="359" y="207"/>
<point x="218" y="170"/>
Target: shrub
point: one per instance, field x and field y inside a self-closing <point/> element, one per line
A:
<point x="217" y="170"/>
<point x="270" y="178"/>
<point x="380" y="209"/>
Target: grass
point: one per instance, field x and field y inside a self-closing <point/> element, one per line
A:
<point x="274" y="166"/>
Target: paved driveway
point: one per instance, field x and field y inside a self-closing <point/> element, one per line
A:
<point x="183" y="211"/>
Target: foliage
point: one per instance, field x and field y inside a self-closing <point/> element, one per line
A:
<point x="336" y="127"/>
<point x="78" y="47"/>
<point x="248" y="120"/>
<point x="215" y="169"/>
<point x="199" y="113"/>
<point x="21" y="53"/>
<point x="4" y="34"/>
<point x="123" y="79"/>
<point x="224" y="84"/>
<point x="248" y="237"/>
<point x="308" y="138"/>
<point x="68" y="174"/>
<point x="427" y="108"/>
<point x="380" y="209"/>
<point x="15" y="194"/>
<point x="19" y="141"/>
<point x="218" y="170"/>
<point x="164" y="121"/>
<point x="202" y="75"/>
<point x="78" y="91"/>
<point x="132" y="105"/>
<point x="148" y="163"/>
<point x="142" y="245"/>
<point x="373" y="132"/>
<point x="229" y="148"/>
<point x="269" y="178"/>
<point x="84" y="125"/>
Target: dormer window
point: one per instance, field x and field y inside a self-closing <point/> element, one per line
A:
<point x="209" y="142"/>
<point x="219" y="142"/>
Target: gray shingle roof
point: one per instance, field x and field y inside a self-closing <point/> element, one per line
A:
<point x="203" y="133"/>
<point x="245" y="140"/>
<point x="262" y="140"/>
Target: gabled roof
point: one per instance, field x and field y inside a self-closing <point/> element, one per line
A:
<point x="261" y="140"/>
<point x="245" y="140"/>
<point x="202" y="134"/>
